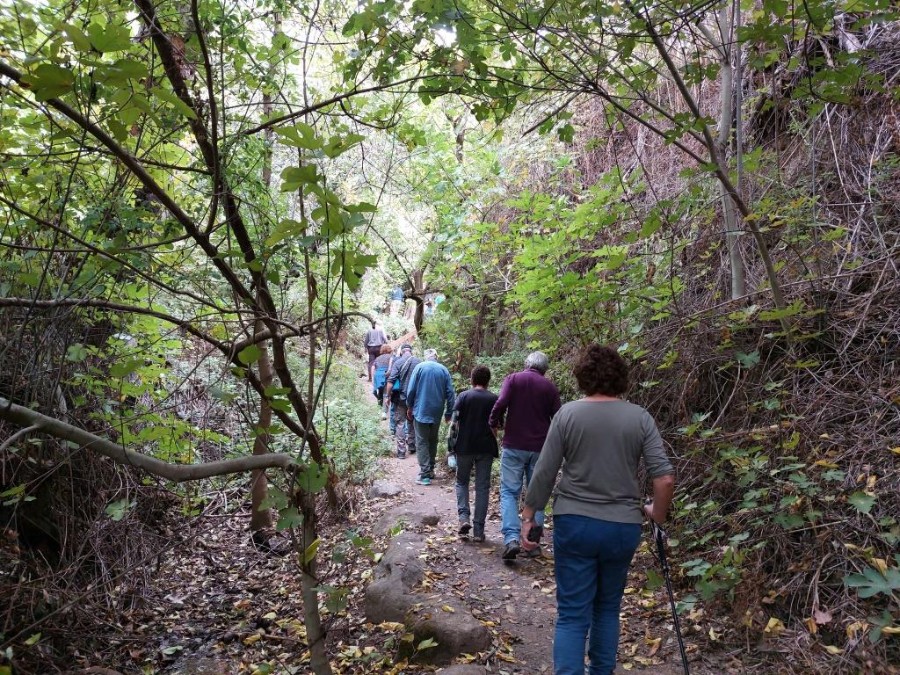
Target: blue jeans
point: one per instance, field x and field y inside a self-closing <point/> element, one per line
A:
<point x="516" y="467"/>
<point x="426" y="446"/>
<point x="592" y="559"/>
<point x="482" y="466"/>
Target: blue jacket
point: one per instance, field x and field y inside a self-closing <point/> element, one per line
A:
<point x="429" y="392"/>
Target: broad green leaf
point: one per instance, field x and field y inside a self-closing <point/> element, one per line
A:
<point x="748" y="360"/>
<point x="872" y="582"/>
<point x="288" y="518"/>
<point x="76" y="352"/>
<point x="295" y="176"/>
<point x="249" y="355"/>
<point x="861" y="501"/>
<point x="78" y="38"/>
<point x="427" y="644"/>
<point x="312" y="477"/>
<point x="109" y="38"/>
<point x="50" y="81"/>
<point x="124" y="368"/>
<point x="301" y="136"/>
<point x="118" y="509"/>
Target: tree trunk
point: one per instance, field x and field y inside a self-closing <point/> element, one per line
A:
<point x="260" y="518"/>
<point x="726" y="118"/>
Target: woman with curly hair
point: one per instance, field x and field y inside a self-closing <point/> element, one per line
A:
<point x="597" y="510"/>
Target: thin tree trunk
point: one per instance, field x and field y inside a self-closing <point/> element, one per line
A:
<point x="726" y="118"/>
<point x="260" y="518"/>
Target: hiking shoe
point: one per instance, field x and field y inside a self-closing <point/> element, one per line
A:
<point x="510" y="551"/>
<point x="423" y="481"/>
<point x="464" y="529"/>
<point x="478" y="537"/>
<point x="534" y="553"/>
<point x="401" y="455"/>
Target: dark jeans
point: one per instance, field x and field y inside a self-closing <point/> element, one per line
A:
<point x="426" y="446"/>
<point x="406" y="439"/>
<point x="482" y="466"/>
<point x="592" y="558"/>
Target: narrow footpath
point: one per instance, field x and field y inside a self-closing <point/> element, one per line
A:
<point x="517" y="601"/>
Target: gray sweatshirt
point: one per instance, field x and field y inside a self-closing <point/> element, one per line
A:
<point x="602" y="443"/>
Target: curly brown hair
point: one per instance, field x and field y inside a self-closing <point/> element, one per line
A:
<point x="481" y="376"/>
<point x="601" y="370"/>
<point x="386" y="349"/>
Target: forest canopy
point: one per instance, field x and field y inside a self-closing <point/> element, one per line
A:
<point x="205" y="204"/>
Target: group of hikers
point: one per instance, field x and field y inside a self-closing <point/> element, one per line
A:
<point x="597" y="441"/>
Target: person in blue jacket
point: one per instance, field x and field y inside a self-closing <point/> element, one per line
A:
<point x="429" y="393"/>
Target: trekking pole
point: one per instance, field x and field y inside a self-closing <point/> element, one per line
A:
<point x="659" y="536"/>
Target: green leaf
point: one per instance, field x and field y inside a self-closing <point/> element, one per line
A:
<point x="249" y="355"/>
<point x="109" y="38"/>
<point x="312" y="477"/>
<point x="286" y="229"/>
<point x="337" y="145"/>
<point x="124" y="368"/>
<point x="288" y="518"/>
<point x="118" y="509"/>
<point x="295" y="176"/>
<point x="427" y="644"/>
<point x="78" y="38"/>
<point x="748" y="360"/>
<point x="50" y="81"/>
<point x="310" y="553"/>
<point x="654" y="580"/>
<point x="172" y="99"/>
<point x="300" y="136"/>
<point x="872" y="582"/>
<point x="33" y="640"/>
<point x="76" y="352"/>
<point x="861" y="501"/>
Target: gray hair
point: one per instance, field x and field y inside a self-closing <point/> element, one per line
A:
<point x="538" y="361"/>
<point x="431" y="355"/>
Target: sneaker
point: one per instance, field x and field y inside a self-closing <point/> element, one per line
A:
<point x="478" y="537"/>
<point x="534" y="553"/>
<point x="510" y="551"/>
<point x="384" y="416"/>
<point x="401" y="455"/>
<point x="423" y="481"/>
<point x="464" y="529"/>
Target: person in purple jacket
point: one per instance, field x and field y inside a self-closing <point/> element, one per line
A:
<point x="528" y="401"/>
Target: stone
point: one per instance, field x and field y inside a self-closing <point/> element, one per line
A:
<point x="391" y="597"/>
<point x="463" y="669"/>
<point x="456" y="632"/>
<point x="410" y="517"/>
<point x="384" y="488"/>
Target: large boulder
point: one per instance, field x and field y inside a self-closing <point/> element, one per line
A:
<point x="391" y="596"/>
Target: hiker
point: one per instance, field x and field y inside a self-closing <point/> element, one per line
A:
<point x="529" y="401"/>
<point x="398" y="377"/>
<point x="475" y="447"/>
<point x="597" y="510"/>
<point x="389" y="405"/>
<point x="428" y="393"/>
<point x="380" y="371"/>
<point x="375" y="337"/>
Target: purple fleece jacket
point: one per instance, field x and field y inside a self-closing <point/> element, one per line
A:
<point x="529" y="401"/>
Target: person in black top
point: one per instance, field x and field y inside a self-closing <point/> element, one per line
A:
<point x="476" y="447"/>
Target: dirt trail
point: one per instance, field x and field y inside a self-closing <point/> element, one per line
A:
<point x="518" y="600"/>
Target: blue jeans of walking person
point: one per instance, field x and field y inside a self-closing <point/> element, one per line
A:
<point x="592" y="558"/>
<point x="426" y="446"/>
<point x="516" y="467"/>
<point x="482" y="466"/>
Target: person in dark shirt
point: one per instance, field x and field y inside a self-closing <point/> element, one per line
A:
<point x="476" y="447"/>
<point x="529" y="401"/>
